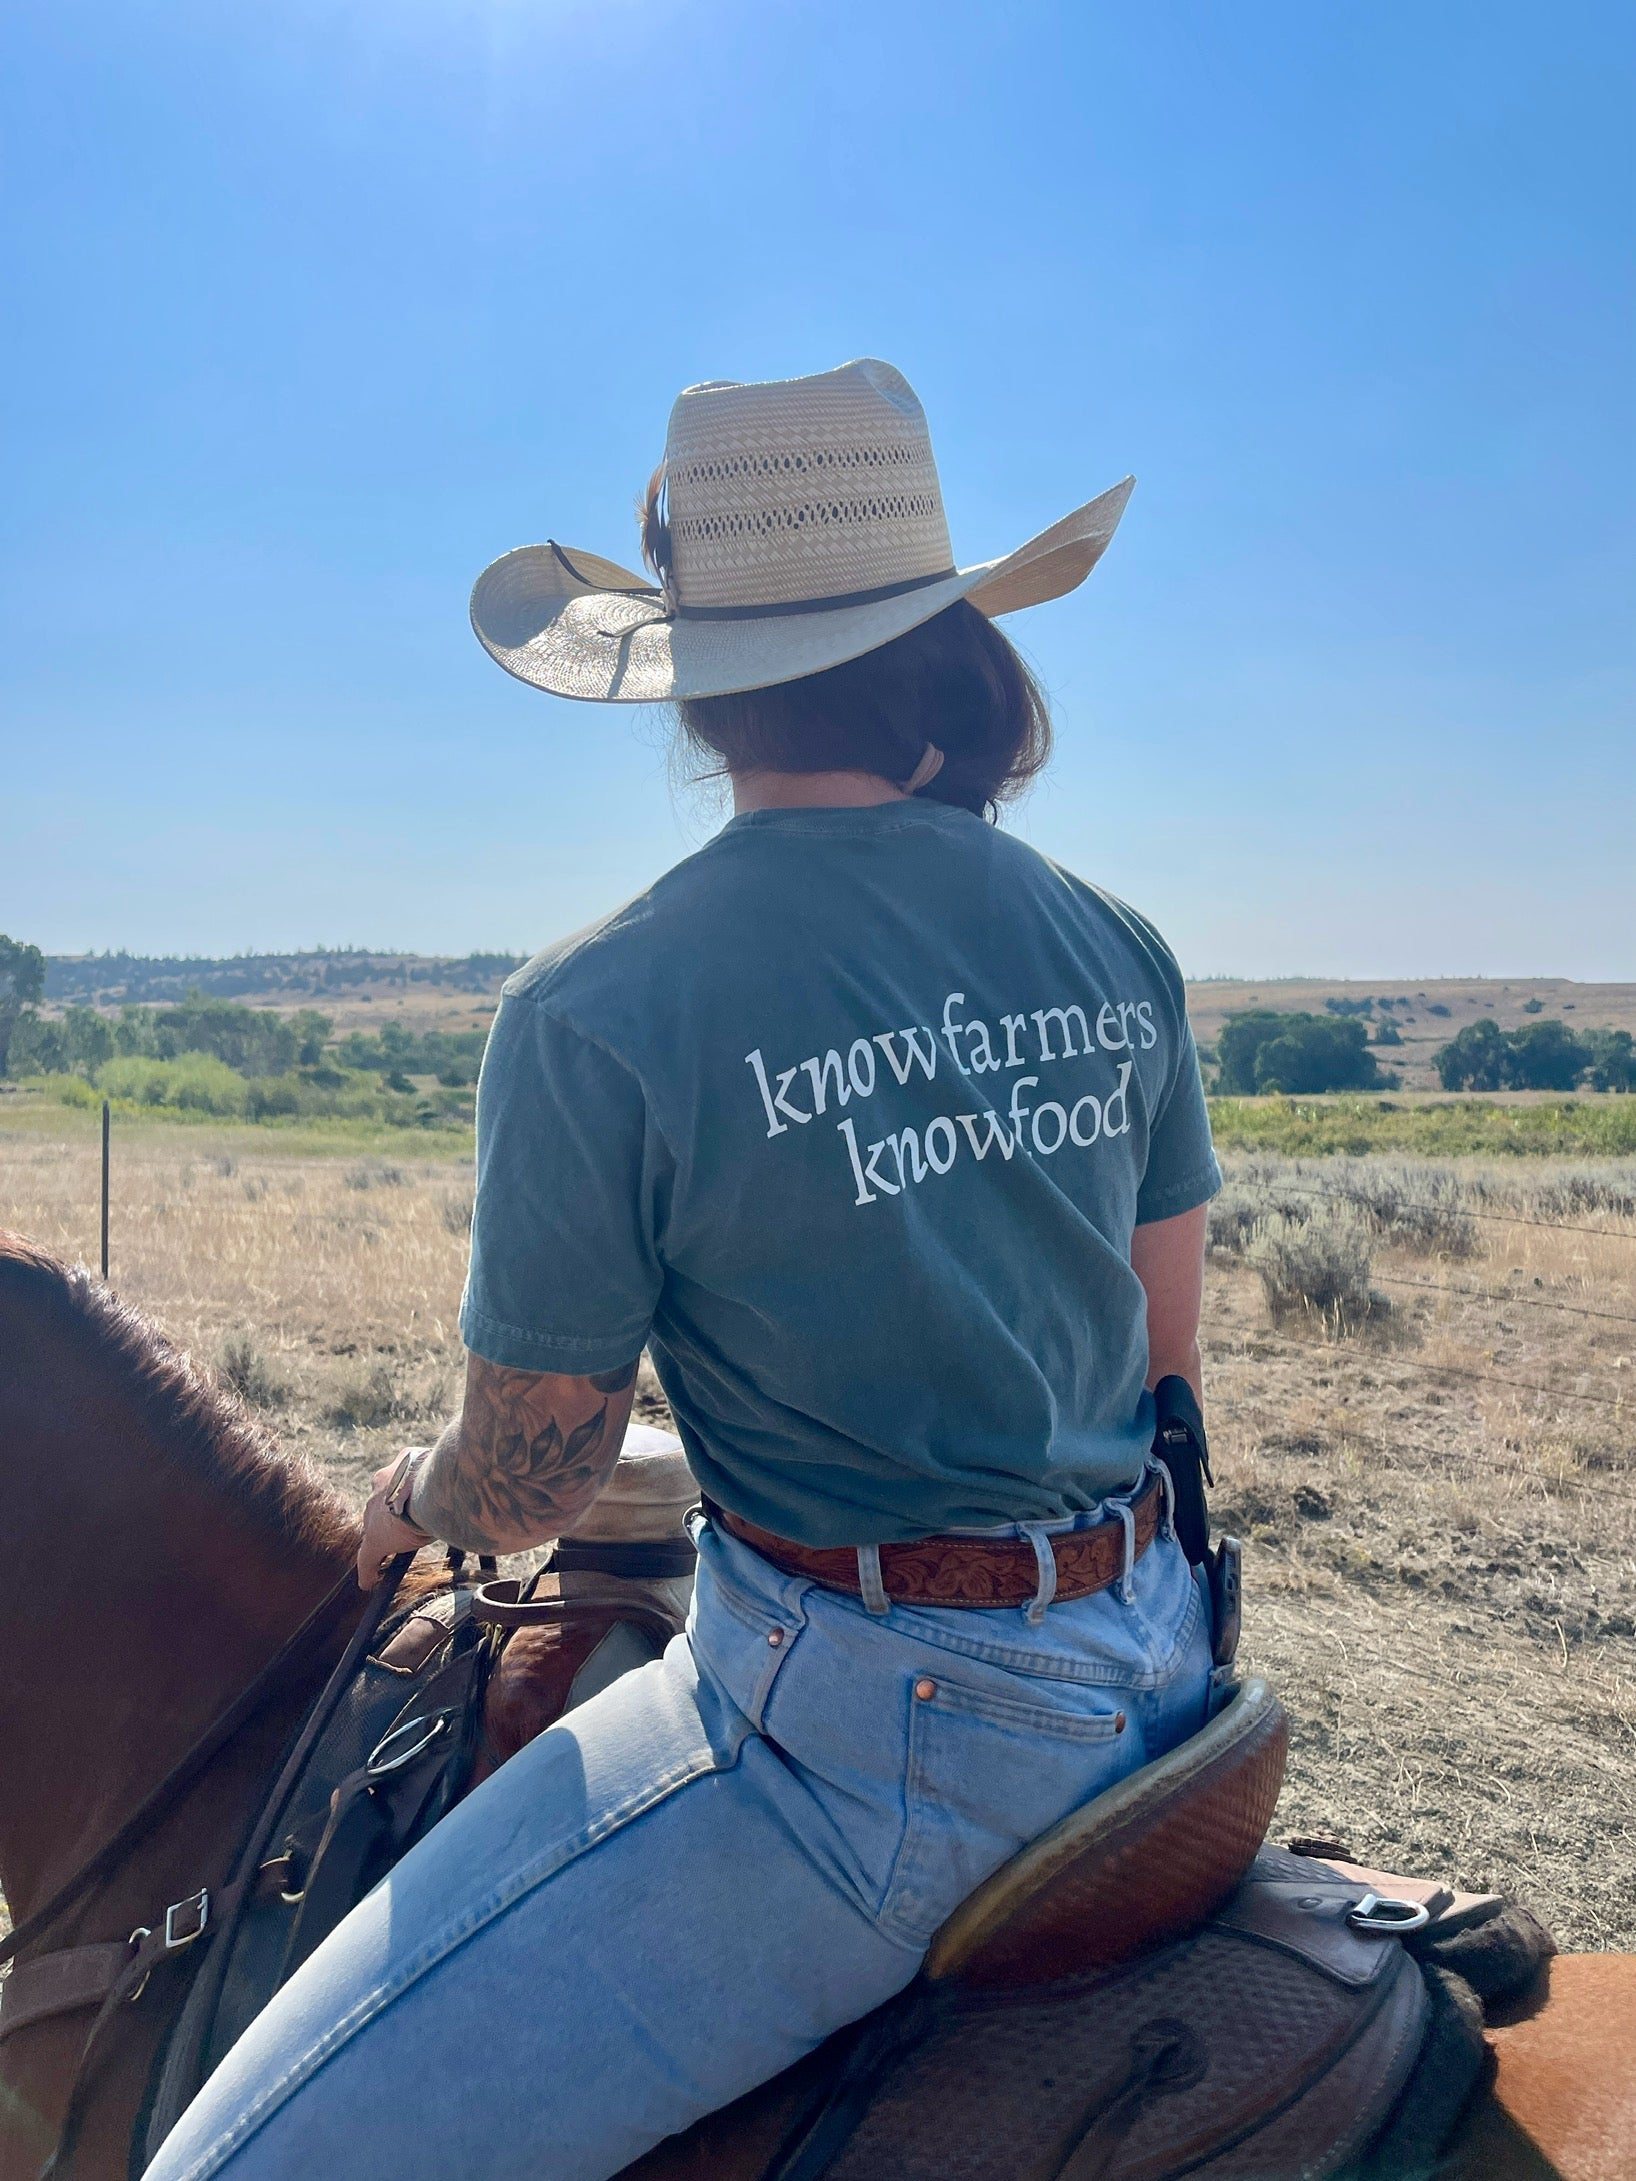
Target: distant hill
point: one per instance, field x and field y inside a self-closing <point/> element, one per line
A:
<point x="354" y="986"/>
<point x="105" y="980"/>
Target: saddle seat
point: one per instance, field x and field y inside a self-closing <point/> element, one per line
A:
<point x="1134" y="1868"/>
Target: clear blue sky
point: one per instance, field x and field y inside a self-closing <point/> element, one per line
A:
<point x="311" y="308"/>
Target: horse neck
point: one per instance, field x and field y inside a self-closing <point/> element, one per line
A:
<point x="143" y="1597"/>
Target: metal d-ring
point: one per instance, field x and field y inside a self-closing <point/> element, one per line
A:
<point x="1387" y="1917"/>
<point x="142" y="1931"/>
<point x="379" y="1767"/>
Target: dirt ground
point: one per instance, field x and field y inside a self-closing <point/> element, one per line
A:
<point x="1439" y="1519"/>
<point x="1439" y="1509"/>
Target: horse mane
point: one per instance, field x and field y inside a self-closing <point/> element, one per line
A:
<point x="204" y="1427"/>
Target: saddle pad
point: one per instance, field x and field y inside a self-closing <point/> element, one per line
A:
<point x="1264" y="2044"/>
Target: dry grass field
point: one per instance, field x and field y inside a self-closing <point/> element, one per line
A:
<point x="1435" y="1479"/>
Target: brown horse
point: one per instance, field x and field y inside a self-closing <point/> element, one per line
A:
<point x="159" y="1553"/>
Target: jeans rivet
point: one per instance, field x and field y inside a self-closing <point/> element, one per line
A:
<point x="925" y="1690"/>
<point x="775" y="1636"/>
<point x="1118" y="1722"/>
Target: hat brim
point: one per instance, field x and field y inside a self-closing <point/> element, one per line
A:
<point x="580" y="626"/>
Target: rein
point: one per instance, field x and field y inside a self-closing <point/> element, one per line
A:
<point x="180" y="1776"/>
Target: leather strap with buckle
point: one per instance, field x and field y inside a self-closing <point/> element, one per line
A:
<point x="968" y="1571"/>
<point x="76" y="1977"/>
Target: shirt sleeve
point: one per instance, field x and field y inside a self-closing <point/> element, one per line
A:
<point x="1181" y="1162"/>
<point x="1181" y="1169"/>
<point x="572" y="1182"/>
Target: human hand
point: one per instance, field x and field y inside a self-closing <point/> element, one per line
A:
<point x="386" y="1534"/>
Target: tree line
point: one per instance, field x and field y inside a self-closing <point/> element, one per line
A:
<point x="1262" y="1051"/>
<point x="1258" y="1052"/>
<point x="220" y="1056"/>
<point x="1539" y="1056"/>
<point x="165" y="980"/>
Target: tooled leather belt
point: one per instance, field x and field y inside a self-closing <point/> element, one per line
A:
<point x="966" y="1571"/>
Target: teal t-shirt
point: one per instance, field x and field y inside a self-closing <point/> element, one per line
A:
<point x="848" y="1120"/>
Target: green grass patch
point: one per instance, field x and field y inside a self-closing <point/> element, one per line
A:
<point x="1592" y="1128"/>
<point x="194" y="1082"/>
<point x="198" y="1086"/>
<point x="1599" y="1128"/>
<point x="36" y="1113"/>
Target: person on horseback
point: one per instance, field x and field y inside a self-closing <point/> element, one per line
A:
<point x="884" y="1136"/>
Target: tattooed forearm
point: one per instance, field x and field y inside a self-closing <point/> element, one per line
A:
<point x="529" y="1452"/>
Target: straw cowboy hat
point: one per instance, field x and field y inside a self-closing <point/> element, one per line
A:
<point x="806" y="527"/>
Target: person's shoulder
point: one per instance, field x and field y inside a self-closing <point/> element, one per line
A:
<point x="1115" y="919"/>
<point x="619" y="954"/>
<point x="1101" y="906"/>
<point x="566" y="964"/>
<point x="1144" y="936"/>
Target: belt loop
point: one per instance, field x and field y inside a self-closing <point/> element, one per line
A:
<point x="1167" y="1518"/>
<point x="1045" y="1559"/>
<point x="869" y="1580"/>
<point x="1122" y="1589"/>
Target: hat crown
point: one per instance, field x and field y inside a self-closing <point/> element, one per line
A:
<point x="793" y="490"/>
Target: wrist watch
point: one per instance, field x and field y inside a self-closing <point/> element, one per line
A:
<point x="401" y="1490"/>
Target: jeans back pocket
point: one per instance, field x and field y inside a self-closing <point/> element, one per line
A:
<point x="987" y="1773"/>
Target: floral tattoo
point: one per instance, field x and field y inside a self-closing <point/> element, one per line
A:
<point x="529" y="1451"/>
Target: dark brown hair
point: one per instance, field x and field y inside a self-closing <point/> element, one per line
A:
<point x="954" y="681"/>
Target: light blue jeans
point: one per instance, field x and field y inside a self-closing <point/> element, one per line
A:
<point x="696" y="1877"/>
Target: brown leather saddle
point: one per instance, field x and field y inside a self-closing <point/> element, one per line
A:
<point x="1145" y="1992"/>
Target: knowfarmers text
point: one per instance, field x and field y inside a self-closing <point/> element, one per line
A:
<point x="1041" y="1037"/>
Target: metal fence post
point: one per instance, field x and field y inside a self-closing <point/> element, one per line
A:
<point x="105" y="1188"/>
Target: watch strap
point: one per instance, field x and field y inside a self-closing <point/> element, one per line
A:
<point x="400" y="1492"/>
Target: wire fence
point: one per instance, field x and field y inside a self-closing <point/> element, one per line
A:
<point x="385" y="1181"/>
<point x="1625" y="1403"/>
<point x="1336" y="1194"/>
<point x="1501" y="1299"/>
<point x="1506" y="1298"/>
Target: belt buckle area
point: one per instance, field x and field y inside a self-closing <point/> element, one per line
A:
<point x="197" y="1906"/>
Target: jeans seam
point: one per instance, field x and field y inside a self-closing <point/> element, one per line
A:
<point x="1171" y="1663"/>
<point x="995" y="1710"/>
<point x="753" y="1606"/>
<point x="434" y="1951"/>
<point x="885" y="1914"/>
<point x="1044" y="1666"/>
